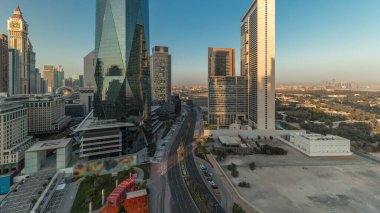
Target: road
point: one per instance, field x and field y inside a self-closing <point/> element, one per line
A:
<point x="181" y="199"/>
<point x="192" y="167"/>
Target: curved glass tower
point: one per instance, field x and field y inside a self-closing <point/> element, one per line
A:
<point x="122" y="71"/>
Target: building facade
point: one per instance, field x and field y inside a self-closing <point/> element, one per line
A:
<point x="14" y="72"/>
<point x="122" y="71"/>
<point x="32" y="69"/>
<point x="89" y="62"/>
<point x="221" y="61"/>
<point x="161" y="75"/>
<point x="14" y="139"/>
<point x="4" y="64"/>
<point x="18" y="39"/>
<point x="228" y="100"/>
<point x="50" y="75"/>
<point x="258" y="62"/>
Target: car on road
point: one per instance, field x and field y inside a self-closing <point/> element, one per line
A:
<point x="209" y="178"/>
<point x="203" y="167"/>
<point x="213" y="184"/>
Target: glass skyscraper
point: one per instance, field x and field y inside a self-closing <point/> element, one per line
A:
<point x="122" y="73"/>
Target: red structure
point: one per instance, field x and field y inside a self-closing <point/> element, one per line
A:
<point x="136" y="202"/>
<point x="118" y="195"/>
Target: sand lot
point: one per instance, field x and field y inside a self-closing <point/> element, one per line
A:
<point x="297" y="183"/>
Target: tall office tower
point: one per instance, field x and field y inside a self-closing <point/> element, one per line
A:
<point x="228" y="101"/>
<point x="50" y="76"/>
<point x="43" y="86"/>
<point x="221" y="61"/>
<point x="89" y="62"/>
<point x="122" y="71"/>
<point x="14" y="139"/>
<point x="258" y="62"/>
<point x="161" y="75"/>
<point x="18" y="39"/>
<point x="38" y="81"/>
<point x="32" y="69"/>
<point x="4" y="64"/>
<point x="14" y="72"/>
<point x="60" y="76"/>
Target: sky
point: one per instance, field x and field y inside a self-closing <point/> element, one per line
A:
<point x="315" y="39"/>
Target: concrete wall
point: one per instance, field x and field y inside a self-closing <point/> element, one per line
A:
<point x="33" y="161"/>
<point x="64" y="156"/>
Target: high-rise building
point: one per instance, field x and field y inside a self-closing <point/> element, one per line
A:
<point x="51" y="77"/>
<point x="227" y="101"/>
<point x="89" y="70"/>
<point x="81" y="81"/>
<point x="18" y="39"/>
<point x="31" y="69"/>
<point x="14" y="72"/>
<point x="221" y="61"/>
<point x="258" y="62"/>
<point x="161" y="75"/>
<point x="60" y="76"/>
<point x="4" y="64"/>
<point x="38" y="81"/>
<point x="14" y="139"/>
<point x="122" y="71"/>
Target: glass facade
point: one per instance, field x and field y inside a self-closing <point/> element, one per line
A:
<point x="122" y="73"/>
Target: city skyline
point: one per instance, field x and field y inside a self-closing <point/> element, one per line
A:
<point x="325" y="41"/>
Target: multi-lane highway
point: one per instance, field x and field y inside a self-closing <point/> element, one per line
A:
<point x="181" y="199"/>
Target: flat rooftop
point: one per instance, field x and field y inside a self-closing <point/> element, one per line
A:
<point x="92" y="123"/>
<point x="49" y="144"/>
<point x="319" y="137"/>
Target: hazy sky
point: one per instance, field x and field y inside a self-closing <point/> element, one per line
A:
<point x="316" y="39"/>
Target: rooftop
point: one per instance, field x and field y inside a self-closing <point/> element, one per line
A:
<point x="92" y="123"/>
<point x="136" y="194"/>
<point x="49" y="144"/>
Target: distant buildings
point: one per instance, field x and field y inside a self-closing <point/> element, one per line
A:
<point x="161" y="76"/>
<point x="60" y="76"/>
<point x="50" y="76"/>
<point x="89" y="70"/>
<point x="258" y="62"/>
<point x="228" y="100"/>
<point x="4" y="64"/>
<point x="14" y="139"/>
<point x="221" y="61"/>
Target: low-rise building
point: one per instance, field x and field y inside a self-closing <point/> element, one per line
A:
<point x="14" y="139"/>
<point x="320" y="145"/>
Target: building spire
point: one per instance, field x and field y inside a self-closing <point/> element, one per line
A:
<point x="17" y="13"/>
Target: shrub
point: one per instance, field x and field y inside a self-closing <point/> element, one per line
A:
<point x="235" y="173"/>
<point x="231" y="167"/>
<point x="252" y="166"/>
<point x="244" y="185"/>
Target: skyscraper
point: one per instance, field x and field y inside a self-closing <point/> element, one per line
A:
<point x="31" y="69"/>
<point x="122" y="72"/>
<point x="89" y="70"/>
<point x="161" y="75"/>
<point x="18" y="39"/>
<point x="60" y="76"/>
<point x="14" y="72"/>
<point x="4" y="61"/>
<point x="258" y="62"/>
<point x="221" y="61"/>
<point x="50" y="76"/>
